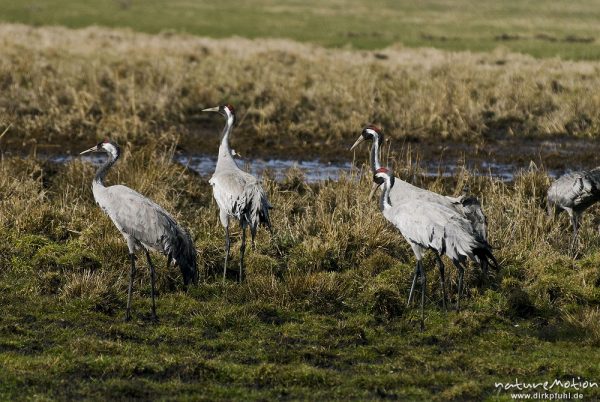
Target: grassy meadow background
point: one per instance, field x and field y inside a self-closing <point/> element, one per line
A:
<point x="322" y="313"/>
<point x="568" y="29"/>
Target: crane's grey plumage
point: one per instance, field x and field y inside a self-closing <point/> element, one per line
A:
<point x="471" y="208"/>
<point x="574" y="193"/>
<point x="143" y="224"/>
<point x="238" y="194"/>
<point x="467" y="206"/>
<point x="427" y="224"/>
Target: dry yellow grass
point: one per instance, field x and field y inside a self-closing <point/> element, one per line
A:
<point x="61" y="86"/>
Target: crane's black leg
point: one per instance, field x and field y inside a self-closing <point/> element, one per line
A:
<point x="242" y="251"/>
<point x="442" y="279"/>
<point x="461" y="274"/>
<point x="131" y="273"/>
<point x="575" y="223"/>
<point x="412" y="287"/>
<point x="252" y="237"/>
<point x="227" y="244"/>
<point x="152" y="281"/>
<point x="484" y="268"/>
<point x="423" y="289"/>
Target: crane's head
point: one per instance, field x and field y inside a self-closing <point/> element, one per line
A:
<point x="228" y="111"/>
<point x="382" y="176"/>
<point x="105" y="146"/>
<point x="370" y="132"/>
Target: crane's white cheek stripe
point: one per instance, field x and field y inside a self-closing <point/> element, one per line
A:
<point x="110" y="148"/>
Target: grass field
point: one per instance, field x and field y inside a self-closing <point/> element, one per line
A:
<point x="568" y="29"/>
<point x="321" y="314"/>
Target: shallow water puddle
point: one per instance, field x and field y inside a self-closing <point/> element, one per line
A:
<point x="316" y="170"/>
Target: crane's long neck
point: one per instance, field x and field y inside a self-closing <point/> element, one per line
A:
<point x="103" y="170"/>
<point x="225" y="158"/>
<point x="375" y="154"/>
<point x="384" y="201"/>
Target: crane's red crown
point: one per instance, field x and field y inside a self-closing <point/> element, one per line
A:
<point x="230" y="107"/>
<point x="374" y="128"/>
<point x="382" y="170"/>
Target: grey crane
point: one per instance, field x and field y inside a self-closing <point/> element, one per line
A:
<point x="143" y="224"/>
<point x="427" y="224"/>
<point x="238" y="194"/>
<point x="466" y="205"/>
<point x="574" y="192"/>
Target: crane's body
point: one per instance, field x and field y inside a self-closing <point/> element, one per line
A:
<point x="143" y="223"/>
<point x="238" y="194"/>
<point x="574" y="193"/>
<point x="465" y="206"/>
<point x="434" y="226"/>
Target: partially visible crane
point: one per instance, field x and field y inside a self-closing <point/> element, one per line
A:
<point x="466" y="205"/>
<point x="238" y="194"/>
<point x="574" y="192"/>
<point x="427" y="224"/>
<point x="143" y="224"/>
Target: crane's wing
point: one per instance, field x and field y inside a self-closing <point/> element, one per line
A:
<point x="240" y="194"/>
<point x="139" y="217"/>
<point x="576" y="190"/>
<point x="435" y="226"/>
<point x="468" y="206"/>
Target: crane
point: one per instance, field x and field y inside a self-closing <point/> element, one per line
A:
<point x="466" y="205"/>
<point x="574" y="192"/>
<point x="238" y="194"/>
<point x="143" y="224"/>
<point x="426" y="224"/>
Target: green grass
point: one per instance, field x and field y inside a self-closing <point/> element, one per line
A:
<point x="321" y="314"/>
<point x="567" y="29"/>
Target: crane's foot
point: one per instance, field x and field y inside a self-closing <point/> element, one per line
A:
<point x="127" y="317"/>
<point x="422" y="326"/>
<point x="153" y="317"/>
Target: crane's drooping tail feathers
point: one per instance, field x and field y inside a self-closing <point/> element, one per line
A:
<point x="485" y="256"/>
<point x="184" y="254"/>
<point x="263" y="212"/>
<point x="257" y="212"/>
<point x="474" y="213"/>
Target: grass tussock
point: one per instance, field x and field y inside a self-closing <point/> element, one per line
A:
<point x="60" y="87"/>
<point x="322" y="311"/>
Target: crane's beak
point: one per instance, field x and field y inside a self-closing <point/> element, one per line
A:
<point x="92" y="149"/>
<point x="360" y="139"/>
<point x="373" y="189"/>
<point x="211" y="109"/>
